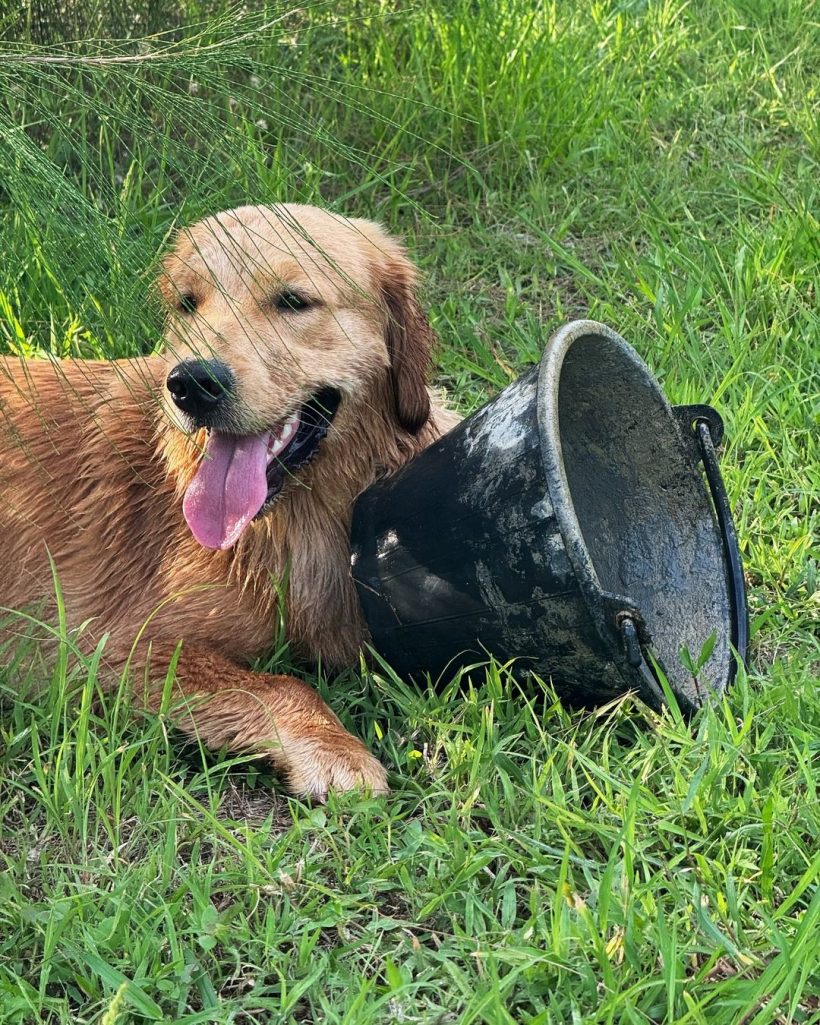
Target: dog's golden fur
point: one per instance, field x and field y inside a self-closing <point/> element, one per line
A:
<point x="93" y="467"/>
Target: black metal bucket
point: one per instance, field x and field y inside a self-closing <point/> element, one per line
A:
<point x="565" y="525"/>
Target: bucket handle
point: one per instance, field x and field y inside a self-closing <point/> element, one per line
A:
<point x="705" y="425"/>
<point x="702" y="427"/>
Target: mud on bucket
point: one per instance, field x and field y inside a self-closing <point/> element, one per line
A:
<point x="577" y="525"/>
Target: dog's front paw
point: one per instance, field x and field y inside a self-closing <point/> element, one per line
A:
<point x="338" y="763"/>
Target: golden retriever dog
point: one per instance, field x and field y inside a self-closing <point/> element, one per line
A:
<point x="181" y="496"/>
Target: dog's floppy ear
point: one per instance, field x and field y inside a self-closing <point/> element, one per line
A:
<point x="410" y="341"/>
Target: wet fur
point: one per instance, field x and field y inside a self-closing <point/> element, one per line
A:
<point x="94" y="465"/>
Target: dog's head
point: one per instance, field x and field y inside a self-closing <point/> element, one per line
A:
<point x="279" y="318"/>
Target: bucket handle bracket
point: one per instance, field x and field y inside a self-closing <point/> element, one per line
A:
<point x="690" y="416"/>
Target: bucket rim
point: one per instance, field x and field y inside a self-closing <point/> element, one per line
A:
<point x="603" y="606"/>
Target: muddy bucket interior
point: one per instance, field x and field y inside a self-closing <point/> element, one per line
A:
<point x="576" y="526"/>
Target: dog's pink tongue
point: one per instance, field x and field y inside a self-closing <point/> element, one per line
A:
<point x="229" y="489"/>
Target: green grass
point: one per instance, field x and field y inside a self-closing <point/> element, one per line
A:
<point x="651" y="164"/>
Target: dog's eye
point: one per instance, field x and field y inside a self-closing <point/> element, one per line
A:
<point x="292" y="301"/>
<point x="187" y="303"/>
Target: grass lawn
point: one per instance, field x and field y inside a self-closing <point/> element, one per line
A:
<point x="650" y="163"/>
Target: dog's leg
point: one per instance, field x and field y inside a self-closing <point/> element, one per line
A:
<point x="279" y="717"/>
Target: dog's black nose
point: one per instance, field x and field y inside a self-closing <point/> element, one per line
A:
<point x="199" y="386"/>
